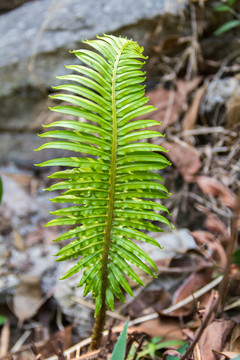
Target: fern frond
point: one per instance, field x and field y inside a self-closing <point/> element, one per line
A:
<point x="110" y="186"/>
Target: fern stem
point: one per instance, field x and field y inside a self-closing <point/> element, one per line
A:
<point x="101" y="317"/>
<point x="99" y="327"/>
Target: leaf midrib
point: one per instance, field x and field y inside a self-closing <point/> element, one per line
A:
<point x="112" y="182"/>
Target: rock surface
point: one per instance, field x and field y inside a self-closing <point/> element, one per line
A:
<point x="37" y="38"/>
<point x="218" y="93"/>
<point x="38" y="35"/>
<point x="65" y="293"/>
<point x="41" y="33"/>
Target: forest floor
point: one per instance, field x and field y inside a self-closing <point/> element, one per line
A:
<point x="195" y="300"/>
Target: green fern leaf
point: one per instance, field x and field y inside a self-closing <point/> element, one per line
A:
<point x="108" y="185"/>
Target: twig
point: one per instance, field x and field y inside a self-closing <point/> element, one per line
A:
<point x="209" y="205"/>
<point x="232" y="305"/>
<point x="58" y="348"/>
<point x="89" y="356"/>
<point x="181" y="303"/>
<point x="201" y="329"/>
<point x="139" y="346"/>
<point x="91" y="306"/>
<point x="195" y="295"/>
<point x="23" y="348"/>
<point x="231" y="10"/>
<point x="207" y="130"/>
<point x="230" y="250"/>
<point x="194" y="48"/>
<point x="20" y="341"/>
<point x="130" y="341"/>
<point x="223" y="285"/>
<point x="36" y="352"/>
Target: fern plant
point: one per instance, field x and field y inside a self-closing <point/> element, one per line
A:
<point x="112" y="189"/>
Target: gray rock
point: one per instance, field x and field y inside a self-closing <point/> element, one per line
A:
<point x="65" y="292"/>
<point x="36" y="41"/>
<point x="21" y="214"/>
<point x="219" y="92"/>
<point x="38" y="35"/>
<point x="19" y="148"/>
<point x="20" y="112"/>
<point x="37" y="261"/>
<point x="17" y="199"/>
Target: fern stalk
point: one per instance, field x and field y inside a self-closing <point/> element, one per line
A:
<point x="108" y="190"/>
<point x="100" y="320"/>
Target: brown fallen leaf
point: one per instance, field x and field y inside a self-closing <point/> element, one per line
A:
<point x="188" y="262"/>
<point x="190" y="118"/>
<point x="238" y="224"/>
<point x="162" y="264"/>
<point x="208" y="303"/>
<point x="227" y="354"/>
<point x="174" y="353"/>
<point x="202" y="237"/>
<point x="63" y="337"/>
<point x="214" y="338"/>
<point x="170" y="329"/>
<point x="18" y="241"/>
<point x="149" y="301"/>
<point x="170" y="103"/>
<point x="233" y="107"/>
<point x="192" y="283"/>
<point x="213" y="187"/>
<point x="28" y="298"/>
<point x="215" y="225"/>
<point x="204" y="305"/>
<point x="207" y="241"/>
<point x="185" y="157"/>
<point x="235" y="339"/>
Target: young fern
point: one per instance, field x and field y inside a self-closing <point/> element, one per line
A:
<point x="111" y="189"/>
